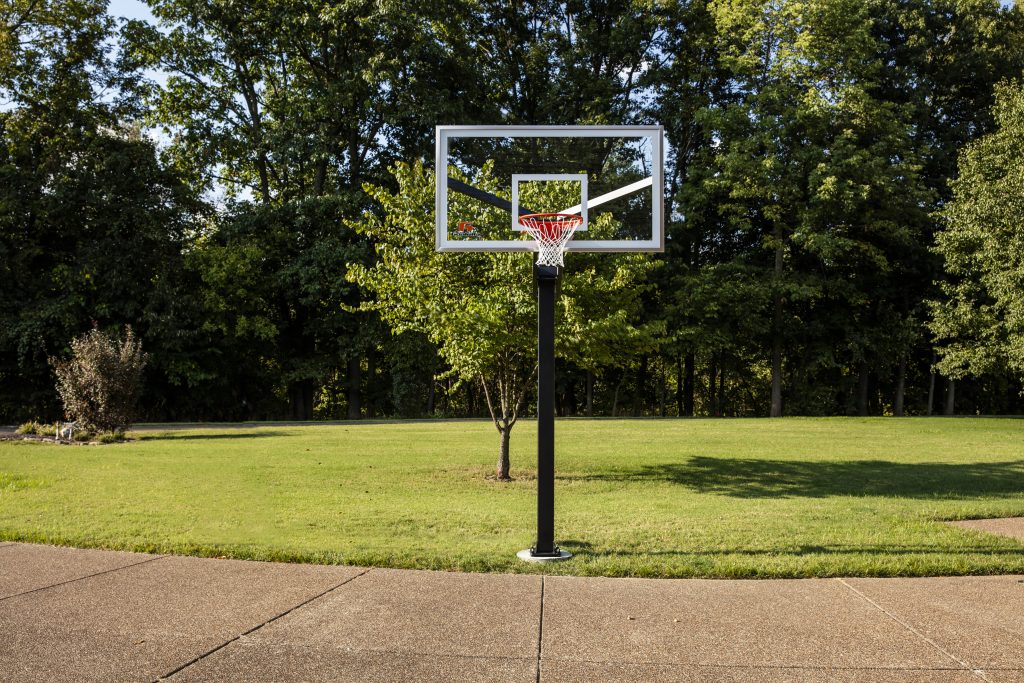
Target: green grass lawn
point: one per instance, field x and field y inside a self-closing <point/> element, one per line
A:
<point x="715" y="498"/>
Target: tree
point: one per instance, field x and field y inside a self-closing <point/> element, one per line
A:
<point x="92" y="227"/>
<point x="299" y="102"/>
<point x="272" y="295"/>
<point x="819" y="178"/>
<point x="704" y="299"/>
<point x="944" y="58"/>
<point x="979" y="327"/>
<point x="541" y="61"/>
<point x="479" y="308"/>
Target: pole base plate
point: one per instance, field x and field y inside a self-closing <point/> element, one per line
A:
<point x="528" y="556"/>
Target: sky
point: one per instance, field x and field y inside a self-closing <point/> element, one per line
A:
<point x="130" y="9"/>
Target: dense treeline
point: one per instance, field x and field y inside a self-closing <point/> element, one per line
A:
<point x="203" y="179"/>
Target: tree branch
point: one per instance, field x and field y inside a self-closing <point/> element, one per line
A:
<point x="490" y="406"/>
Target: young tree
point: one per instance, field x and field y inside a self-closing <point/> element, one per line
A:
<point x="479" y="309"/>
<point x="979" y="328"/>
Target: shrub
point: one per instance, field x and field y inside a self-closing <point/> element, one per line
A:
<point x="30" y="428"/>
<point x="100" y="383"/>
<point x="110" y="437"/>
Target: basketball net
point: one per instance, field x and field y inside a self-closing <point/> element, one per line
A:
<point x="551" y="232"/>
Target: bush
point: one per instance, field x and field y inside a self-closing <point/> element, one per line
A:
<point x="111" y="437"/>
<point x="101" y="382"/>
<point x="30" y="428"/>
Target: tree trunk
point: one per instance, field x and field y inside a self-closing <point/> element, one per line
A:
<point x="302" y="394"/>
<point x="776" y="409"/>
<point x="470" y="405"/>
<point x="590" y="393"/>
<point x="688" y="385"/>
<point x="430" y="397"/>
<point x="862" y="390"/>
<point x="901" y="382"/>
<point x="371" y="382"/>
<point x="503" y="461"/>
<point x="721" y="389"/>
<point x="713" y="386"/>
<point x="570" y="397"/>
<point x="950" y="397"/>
<point x="662" y="387"/>
<point x="355" y="379"/>
<point x="615" y="397"/>
<point x="931" y="386"/>
<point x="679" y="386"/>
<point x="641" y="382"/>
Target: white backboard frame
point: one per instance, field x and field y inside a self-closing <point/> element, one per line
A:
<point x="655" y="134"/>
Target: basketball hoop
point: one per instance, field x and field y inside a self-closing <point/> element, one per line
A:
<point x="551" y="232"/>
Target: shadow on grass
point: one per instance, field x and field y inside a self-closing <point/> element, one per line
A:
<point x="170" y="436"/>
<point x="755" y="478"/>
<point x="838" y="550"/>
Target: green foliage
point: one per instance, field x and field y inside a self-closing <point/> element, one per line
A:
<point x="29" y="428"/>
<point x="101" y="382"/>
<point x="810" y="145"/>
<point x="412" y="373"/>
<point x="91" y="227"/>
<point x="980" y="324"/>
<point x="292" y="99"/>
<point x="273" y="296"/>
<point x="479" y="309"/>
<point x="110" y="437"/>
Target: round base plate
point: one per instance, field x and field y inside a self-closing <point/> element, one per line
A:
<point x="526" y="556"/>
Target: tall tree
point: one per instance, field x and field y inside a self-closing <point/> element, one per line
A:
<point x="943" y="59"/>
<point x="301" y="102"/>
<point x="816" y="171"/>
<point x="546" y="62"/>
<point x="696" y="298"/>
<point x="980" y="323"/>
<point x="91" y="225"/>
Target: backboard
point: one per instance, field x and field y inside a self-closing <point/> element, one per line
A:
<point x="611" y="176"/>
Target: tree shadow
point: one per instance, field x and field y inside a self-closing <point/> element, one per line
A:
<point x="170" y="436"/>
<point x="802" y="550"/>
<point x="757" y="478"/>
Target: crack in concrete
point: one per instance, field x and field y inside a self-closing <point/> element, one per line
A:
<point x="258" y="627"/>
<point x="82" y="578"/>
<point x="540" y="630"/>
<point x="965" y="665"/>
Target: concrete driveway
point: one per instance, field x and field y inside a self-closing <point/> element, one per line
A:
<point x="87" y="615"/>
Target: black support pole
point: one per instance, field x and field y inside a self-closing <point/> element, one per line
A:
<point x="547" y="281"/>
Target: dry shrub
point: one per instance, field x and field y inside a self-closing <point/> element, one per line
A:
<point x="101" y="382"/>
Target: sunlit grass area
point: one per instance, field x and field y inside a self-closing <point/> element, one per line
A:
<point x="715" y="498"/>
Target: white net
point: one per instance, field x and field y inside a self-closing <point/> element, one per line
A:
<point x="551" y="232"/>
